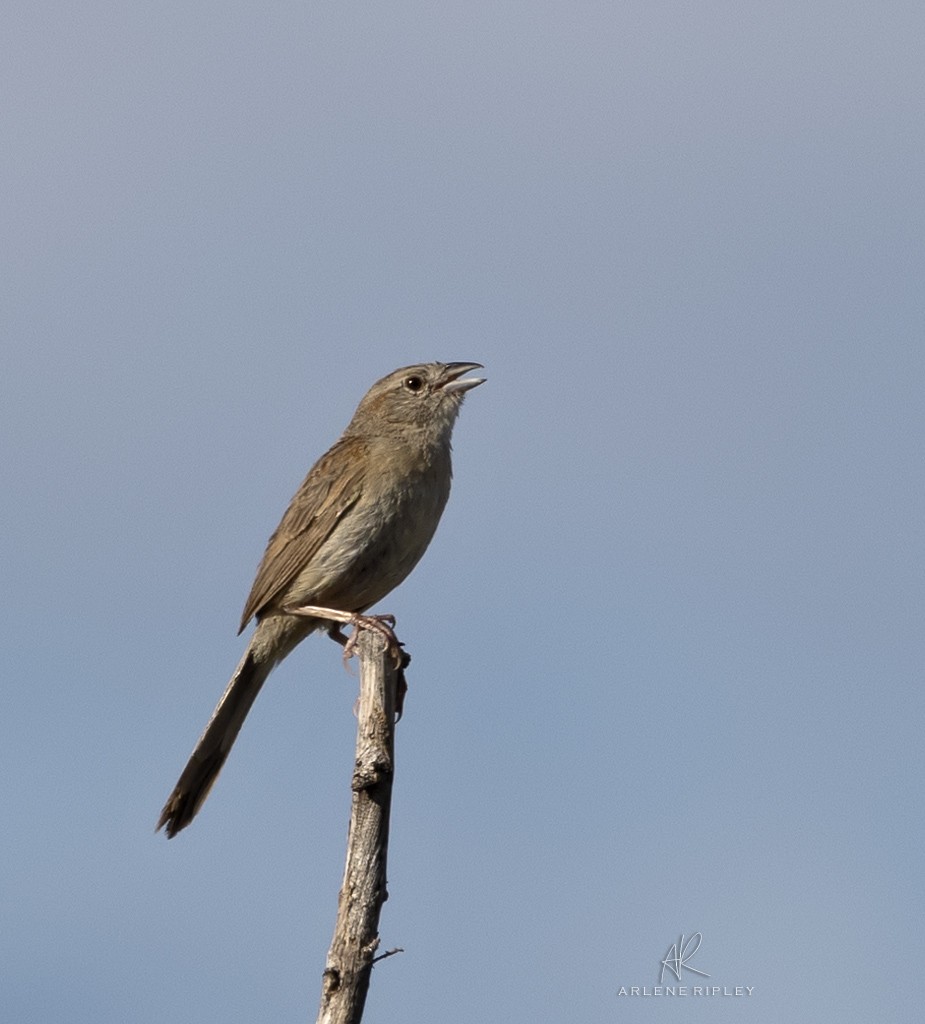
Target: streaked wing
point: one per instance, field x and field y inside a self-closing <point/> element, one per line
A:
<point x="315" y="510"/>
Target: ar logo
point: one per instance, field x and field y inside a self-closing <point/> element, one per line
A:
<point x="678" y="955"/>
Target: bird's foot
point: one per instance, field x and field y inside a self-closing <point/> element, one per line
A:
<point x="384" y="625"/>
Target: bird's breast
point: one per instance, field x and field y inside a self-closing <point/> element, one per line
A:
<point x="378" y="541"/>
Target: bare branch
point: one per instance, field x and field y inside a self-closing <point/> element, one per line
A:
<point x="356" y="934"/>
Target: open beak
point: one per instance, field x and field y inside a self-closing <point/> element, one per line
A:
<point x="453" y="380"/>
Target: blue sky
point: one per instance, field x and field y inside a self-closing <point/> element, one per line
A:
<point x="667" y="643"/>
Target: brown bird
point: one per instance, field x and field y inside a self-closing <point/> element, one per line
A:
<point x="357" y="526"/>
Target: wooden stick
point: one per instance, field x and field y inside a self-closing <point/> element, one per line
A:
<point x="345" y="981"/>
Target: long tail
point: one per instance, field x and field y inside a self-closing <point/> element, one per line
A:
<point x="210" y="752"/>
<point x="273" y="639"/>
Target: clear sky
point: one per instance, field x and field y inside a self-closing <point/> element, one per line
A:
<point x="668" y="644"/>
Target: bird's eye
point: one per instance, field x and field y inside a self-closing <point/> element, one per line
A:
<point x="413" y="383"/>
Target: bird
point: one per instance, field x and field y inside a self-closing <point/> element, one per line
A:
<point x="356" y="527"/>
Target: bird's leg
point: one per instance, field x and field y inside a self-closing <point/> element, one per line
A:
<point x="384" y="625"/>
<point x="337" y="634"/>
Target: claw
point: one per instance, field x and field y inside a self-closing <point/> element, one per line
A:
<point x="384" y="625"/>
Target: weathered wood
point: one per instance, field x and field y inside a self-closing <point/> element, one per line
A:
<point x="345" y="981"/>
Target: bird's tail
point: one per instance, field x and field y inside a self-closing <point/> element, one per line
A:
<point x="210" y="752"/>
<point x="273" y="639"/>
